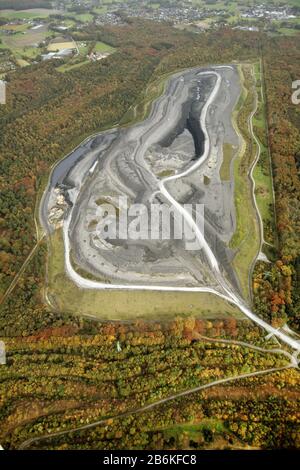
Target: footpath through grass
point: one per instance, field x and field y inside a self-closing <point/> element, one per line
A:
<point x="263" y="172"/>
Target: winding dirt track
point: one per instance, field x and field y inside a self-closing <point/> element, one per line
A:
<point x="32" y="440"/>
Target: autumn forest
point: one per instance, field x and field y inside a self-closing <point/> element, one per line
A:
<point x="65" y="371"/>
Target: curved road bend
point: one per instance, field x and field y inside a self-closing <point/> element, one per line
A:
<point x="293" y="361"/>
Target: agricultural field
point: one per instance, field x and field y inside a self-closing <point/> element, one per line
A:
<point x="102" y="47"/>
<point x="59" y="45"/>
<point x="26" y="43"/>
<point x="72" y="66"/>
<point x="83" y="48"/>
<point x="32" y="14"/>
<point x="27" y="38"/>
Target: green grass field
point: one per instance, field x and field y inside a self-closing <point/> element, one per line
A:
<point x="100" y="10"/>
<point x="262" y="173"/>
<point x="83" y="47"/>
<point x="102" y="47"/>
<point x="24" y="39"/>
<point x="82" y="60"/>
<point x="289" y="31"/>
<point x="246" y="237"/>
<point x="126" y="305"/>
<point x="23" y="53"/>
<point x="228" y="153"/>
<point x="27" y="14"/>
<point x="263" y="192"/>
<point x="15" y="27"/>
<point x="84" y="17"/>
<point x="193" y="431"/>
<point x="22" y="62"/>
<point x="66" y="67"/>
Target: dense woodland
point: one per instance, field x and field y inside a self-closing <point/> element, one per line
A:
<point x="278" y="292"/>
<point x="46" y="115"/>
<point x="64" y="378"/>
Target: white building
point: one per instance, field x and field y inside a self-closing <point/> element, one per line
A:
<point x="2" y="353"/>
<point x="2" y="92"/>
